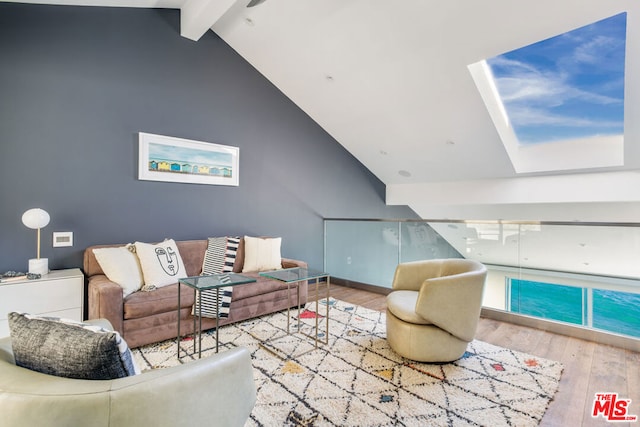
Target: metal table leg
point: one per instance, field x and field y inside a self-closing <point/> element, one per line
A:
<point x="178" y="339"/>
<point x="217" y="316"/>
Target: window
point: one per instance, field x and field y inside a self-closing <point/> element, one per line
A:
<point x="609" y="310"/>
<point x="616" y="311"/>
<point x="558" y="104"/>
<point x="546" y="300"/>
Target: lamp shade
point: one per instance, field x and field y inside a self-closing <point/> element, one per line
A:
<point x="35" y="218"/>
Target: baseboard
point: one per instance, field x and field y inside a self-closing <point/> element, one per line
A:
<point x="361" y="286"/>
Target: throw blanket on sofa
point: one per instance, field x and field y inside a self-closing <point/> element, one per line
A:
<point x="219" y="258"/>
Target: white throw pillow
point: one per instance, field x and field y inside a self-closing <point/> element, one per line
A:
<point x="262" y="254"/>
<point x="121" y="266"/>
<point x="161" y="264"/>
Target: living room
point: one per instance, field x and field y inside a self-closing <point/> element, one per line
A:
<point x="80" y="83"/>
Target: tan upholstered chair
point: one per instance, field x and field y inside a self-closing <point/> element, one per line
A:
<point x="433" y="310"/>
<point x="217" y="390"/>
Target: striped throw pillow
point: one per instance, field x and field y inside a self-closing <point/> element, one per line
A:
<point x="220" y="257"/>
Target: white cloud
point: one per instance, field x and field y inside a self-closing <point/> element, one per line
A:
<point x="512" y="64"/>
<point x="592" y="51"/>
<point x="545" y="88"/>
<point x="529" y="116"/>
<point x="530" y="88"/>
<point x="571" y="81"/>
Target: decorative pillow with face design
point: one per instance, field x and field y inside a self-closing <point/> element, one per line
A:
<point x="161" y="263"/>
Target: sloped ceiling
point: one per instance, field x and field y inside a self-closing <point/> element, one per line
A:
<point x="389" y="81"/>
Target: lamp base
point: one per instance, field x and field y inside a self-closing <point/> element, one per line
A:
<point x="39" y="265"/>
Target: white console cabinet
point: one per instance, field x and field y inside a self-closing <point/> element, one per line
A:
<point x="59" y="294"/>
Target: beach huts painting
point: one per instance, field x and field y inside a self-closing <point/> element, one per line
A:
<point x="163" y="158"/>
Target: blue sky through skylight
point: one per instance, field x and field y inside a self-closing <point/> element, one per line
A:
<point x="567" y="87"/>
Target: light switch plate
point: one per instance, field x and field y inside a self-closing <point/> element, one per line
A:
<point x="62" y="238"/>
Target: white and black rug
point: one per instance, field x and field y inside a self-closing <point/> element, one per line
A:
<point x="357" y="380"/>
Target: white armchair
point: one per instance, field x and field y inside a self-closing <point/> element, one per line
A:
<point x="217" y="390"/>
<point x="434" y="308"/>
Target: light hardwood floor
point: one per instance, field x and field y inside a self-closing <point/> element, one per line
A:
<point x="589" y="368"/>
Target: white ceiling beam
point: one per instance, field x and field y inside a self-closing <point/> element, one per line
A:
<point x="571" y="188"/>
<point x="599" y="197"/>
<point x="198" y="16"/>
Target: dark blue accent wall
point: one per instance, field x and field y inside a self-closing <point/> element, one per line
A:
<point x="77" y="84"/>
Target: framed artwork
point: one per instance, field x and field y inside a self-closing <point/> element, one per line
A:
<point x="164" y="158"/>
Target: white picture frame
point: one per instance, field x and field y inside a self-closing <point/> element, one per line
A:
<point x="170" y="159"/>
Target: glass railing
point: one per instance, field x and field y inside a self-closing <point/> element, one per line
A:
<point x="583" y="274"/>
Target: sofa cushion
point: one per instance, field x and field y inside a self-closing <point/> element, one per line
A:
<point x="192" y="253"/>
<point x="161" y="263"/>
<point x="161" y="300"/>
<point x="66" y="348"/>
<point x="261" y="254"/>
<point x="165" y="300"/>
<point x="403" y="305"/>
<point x="121" y="266"/>
<point x="261" y="286"/>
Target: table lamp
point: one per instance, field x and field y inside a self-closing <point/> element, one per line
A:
<point x="37" y="218"/>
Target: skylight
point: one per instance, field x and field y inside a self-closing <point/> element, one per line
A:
<point x="558" y="104"/>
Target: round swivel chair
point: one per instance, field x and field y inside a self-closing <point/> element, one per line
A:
<point x="434" y="308"/>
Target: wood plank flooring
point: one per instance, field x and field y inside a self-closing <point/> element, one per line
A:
<point x="589" y="367"/>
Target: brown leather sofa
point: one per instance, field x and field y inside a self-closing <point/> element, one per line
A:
<point x="147" y="317"/>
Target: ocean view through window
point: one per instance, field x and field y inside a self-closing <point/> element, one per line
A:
<point x="612" y="311"/>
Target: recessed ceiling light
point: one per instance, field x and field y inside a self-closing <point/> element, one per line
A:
<point x="404" y="173"/>
<point x="450" y="142"/>
<point x="249" y="22"/>
<point x="329" y="77"/>
<point x="384" y="153"/>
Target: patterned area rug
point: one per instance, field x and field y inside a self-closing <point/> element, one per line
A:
<point x="357" y="380"/>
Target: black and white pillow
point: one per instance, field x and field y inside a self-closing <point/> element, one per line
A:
<point x="220" y="257"/>
<point x="161" y="263"/>
<point x="70" y="349"/>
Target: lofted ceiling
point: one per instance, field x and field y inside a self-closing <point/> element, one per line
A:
<point x="389" y="81"/>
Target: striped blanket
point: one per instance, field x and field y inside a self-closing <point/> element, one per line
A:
<point x="219" y="258"/>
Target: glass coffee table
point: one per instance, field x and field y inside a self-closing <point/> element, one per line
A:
<point x="293" y="277"/>
<point x="206" y="283"/>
